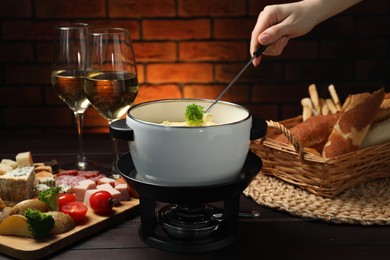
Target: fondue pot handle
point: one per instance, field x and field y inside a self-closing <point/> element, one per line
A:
<point x="259" y="130"/>
<point x="120" y="130"/>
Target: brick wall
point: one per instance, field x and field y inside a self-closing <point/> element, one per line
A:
<point x="189" y="48"/>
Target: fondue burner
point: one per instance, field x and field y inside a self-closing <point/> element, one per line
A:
<point x="187" y="221"/>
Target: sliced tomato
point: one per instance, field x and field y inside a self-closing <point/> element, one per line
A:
<point x="101" y="202"/>
<point x="76" y="209"/>
<point x="65" y="198"/>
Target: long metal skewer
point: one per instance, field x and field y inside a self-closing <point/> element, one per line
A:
<point x="257" y="53"/>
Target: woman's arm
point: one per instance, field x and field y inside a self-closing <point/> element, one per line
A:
<point x="276" y="24"/>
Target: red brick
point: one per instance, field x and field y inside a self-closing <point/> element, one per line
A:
<point x="286" y="93"/>
<point x="178" y="29"/>
<point x="11" y="52"/>
<point x="298" y="49"/>
<point x="28" y="30"/>
<point x="70" y="8"/>
<point x="20" y="96"/>
<point x="136" y="8"/>
<point x="27" y="74"/>
<point x="213" y="51"/>
<point x="339" y="26"/>
<point x="179" y="73"/>
<point x="211" y="7"/>
<point x="365" y="7"/>
<point x="155" y="92"/>
<point x="155" y="51"/>
<point x="256" y="6"/>
<point x="373" y="26"/>
<point x="265" y="72"/>
<point x="290" y="111"/>
<point x="235" y="94"/>
<point x="38" y="117"/>
<point x="130" y="24"/>
<point x="12" y="8"/>
<point x="140" y="73"/>
<point x="44" y="51"/>
<point x="263" y="111"/>
<point x="349" y="48"/>
<point x="378" y="70"/>
<point x="320" y="71"/>
<point x="233" y="28"/>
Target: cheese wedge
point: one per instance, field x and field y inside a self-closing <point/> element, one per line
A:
<point x="18" y="184"/>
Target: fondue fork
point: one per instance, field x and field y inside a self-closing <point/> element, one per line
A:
<point x="256" y="54"/>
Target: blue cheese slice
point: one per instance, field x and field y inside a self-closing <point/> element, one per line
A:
<point x="18" y="184"/>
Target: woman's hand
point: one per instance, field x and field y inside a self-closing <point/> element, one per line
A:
<point x="277" y="24"/>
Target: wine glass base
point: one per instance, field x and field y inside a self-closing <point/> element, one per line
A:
<point x="82" y="166"/>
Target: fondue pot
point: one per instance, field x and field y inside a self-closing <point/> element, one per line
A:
<point x="186" y="156"/>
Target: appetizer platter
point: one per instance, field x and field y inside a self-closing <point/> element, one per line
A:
<point x="43" y="209"/>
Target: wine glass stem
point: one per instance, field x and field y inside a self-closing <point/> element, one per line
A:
<point x="115" y="153"/>
<point x="81" y="160"/>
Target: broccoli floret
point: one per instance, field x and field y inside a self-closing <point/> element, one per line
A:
<point x="194" y="115"/>
<point x="39" y="223"/>
<point x="50" y="197"/>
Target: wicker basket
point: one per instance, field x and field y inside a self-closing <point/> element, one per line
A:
<point x="320" y="176"/>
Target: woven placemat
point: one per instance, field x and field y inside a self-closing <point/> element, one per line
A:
<point x="366" y="204"/>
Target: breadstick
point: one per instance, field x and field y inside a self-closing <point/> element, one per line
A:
<point x="331" y="106"/>
<point x="334" y="96"/>
<point x="324" y="107"/>
<point x="314" y="98"/>
<point x="307" y="108"/>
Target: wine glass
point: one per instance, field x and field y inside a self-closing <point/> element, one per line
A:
<point x="68" y="69"/>
<point x="111" y="82"/>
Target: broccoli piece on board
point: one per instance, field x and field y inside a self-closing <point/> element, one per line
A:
<point x="50" y="197"/>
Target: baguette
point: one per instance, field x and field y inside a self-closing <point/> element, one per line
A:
<point x="313" y="132"/>
<point x="384" y="110"/>
<point x="356" y="117"/>
<point x="379" y="133"/>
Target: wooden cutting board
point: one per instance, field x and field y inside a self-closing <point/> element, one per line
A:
<point x="30" y="248"/>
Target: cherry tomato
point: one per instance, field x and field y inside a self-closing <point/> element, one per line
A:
<point x="65" y="198"/>
<point x="101" y="202"/>
<point x="76" y="209"/>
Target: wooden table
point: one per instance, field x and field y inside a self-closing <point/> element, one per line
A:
<point x="273" y="235"/>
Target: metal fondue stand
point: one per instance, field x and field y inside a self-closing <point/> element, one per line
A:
<point x="185" y="201"/>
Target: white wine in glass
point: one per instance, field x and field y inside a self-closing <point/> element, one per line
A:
<point x="111" y="81"/>
<point x="68" y="71"/>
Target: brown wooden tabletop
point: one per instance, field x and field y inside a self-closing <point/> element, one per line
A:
<point x="273" y="235"/>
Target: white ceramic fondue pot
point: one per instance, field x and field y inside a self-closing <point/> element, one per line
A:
<point x="186" y="156"/>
